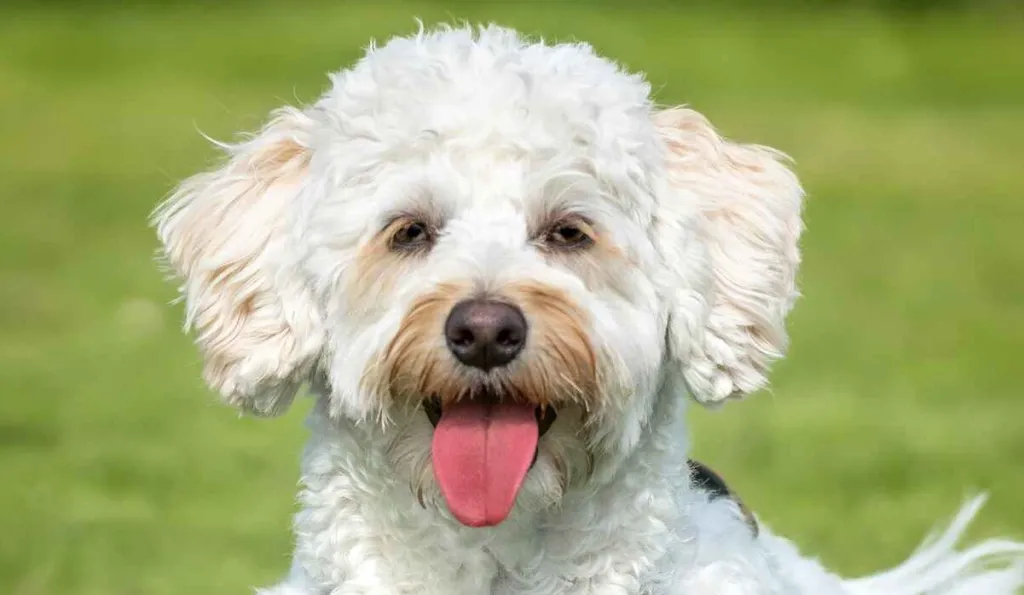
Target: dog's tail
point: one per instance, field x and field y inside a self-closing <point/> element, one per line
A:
<point x="994" y="567"/>
<point x="938" y="567"/>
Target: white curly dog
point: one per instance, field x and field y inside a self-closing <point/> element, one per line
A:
<point x="502" y="272"/>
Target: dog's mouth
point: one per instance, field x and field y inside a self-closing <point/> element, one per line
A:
<point x="545" y="416"/>
<point x="482" y="449"/>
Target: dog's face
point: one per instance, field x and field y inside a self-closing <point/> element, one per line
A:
<point x="495" y="251"/>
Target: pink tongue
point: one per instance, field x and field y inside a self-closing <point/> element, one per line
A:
<point x="481" y="455"/>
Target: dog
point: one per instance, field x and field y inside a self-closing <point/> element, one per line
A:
<point x="502" y="271"/>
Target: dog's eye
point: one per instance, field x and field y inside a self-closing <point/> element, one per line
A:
<point x="569" y="235"/>
<point x="411" y="235"/>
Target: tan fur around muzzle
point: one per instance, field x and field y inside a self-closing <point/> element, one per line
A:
<point x="558" y="364"/>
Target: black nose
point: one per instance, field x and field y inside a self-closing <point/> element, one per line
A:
<point x="485" y="334"/>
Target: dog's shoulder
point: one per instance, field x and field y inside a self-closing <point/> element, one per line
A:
<point x="704" y="478"/>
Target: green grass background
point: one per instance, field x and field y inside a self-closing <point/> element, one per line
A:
<point x="121" y="474"/>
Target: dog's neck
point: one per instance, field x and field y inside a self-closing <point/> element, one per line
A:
<point x="350" y="478"/>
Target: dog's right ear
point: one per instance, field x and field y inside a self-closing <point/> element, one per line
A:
<point x="225" y="235"/>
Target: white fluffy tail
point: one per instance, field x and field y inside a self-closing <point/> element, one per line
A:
<point x="994" y="567"/>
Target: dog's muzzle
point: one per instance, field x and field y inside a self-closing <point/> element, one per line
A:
<point x="484" y="443"/>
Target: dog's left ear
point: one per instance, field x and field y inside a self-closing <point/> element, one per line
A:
<point x="728" y="226"/>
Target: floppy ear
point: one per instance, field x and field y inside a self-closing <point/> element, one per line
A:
<point x="728" y="226"/>
<point x="225" y="235"/>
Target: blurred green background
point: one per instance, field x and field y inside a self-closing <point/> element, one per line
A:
<point x="121" y="474"/>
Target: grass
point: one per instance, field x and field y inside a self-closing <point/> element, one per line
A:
<point x="121" y="473"/>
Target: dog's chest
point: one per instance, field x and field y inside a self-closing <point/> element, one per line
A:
<point x="544" y="563"/>
<point x="529" y="579"/>
<point x="522" y="565"/>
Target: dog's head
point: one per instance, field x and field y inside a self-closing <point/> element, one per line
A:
<point x="493" y="250"/>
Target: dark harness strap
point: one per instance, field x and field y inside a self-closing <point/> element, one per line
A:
<point x="706" y="479"/>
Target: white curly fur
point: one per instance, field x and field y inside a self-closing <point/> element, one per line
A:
<point x="486" y="138"/>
